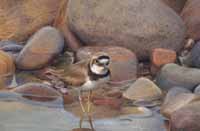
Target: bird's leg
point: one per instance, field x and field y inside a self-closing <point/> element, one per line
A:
<point x="82" y="108"/>
<point x="89" y="101"/>
<point x="89" y="109"/>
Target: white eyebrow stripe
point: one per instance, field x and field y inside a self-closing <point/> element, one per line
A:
<point x="103" y="60"/>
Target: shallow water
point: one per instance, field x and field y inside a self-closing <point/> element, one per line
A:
<point x="20" y="114"/>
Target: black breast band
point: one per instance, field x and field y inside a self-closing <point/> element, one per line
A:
<point x="93" y="76"/>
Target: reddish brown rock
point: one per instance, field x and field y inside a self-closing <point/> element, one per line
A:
<point x="38" y="92"/>
<point x="123" y="61"/>
<point x="187" y="118"/>
<point x="160" y="57"/>
<point x="191" y="17"/>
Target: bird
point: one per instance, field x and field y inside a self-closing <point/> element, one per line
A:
<point x="86" y="76"/>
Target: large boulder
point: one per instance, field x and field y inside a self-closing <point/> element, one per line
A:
<point x="191" y="17"/>
<point x="139" y="25"/>
<point x="21" y="18"/>
<point x="40" y="49"/>
<point x="172" y="75"/>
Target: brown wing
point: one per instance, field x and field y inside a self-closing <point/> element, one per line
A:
<point x="76" y="74"/>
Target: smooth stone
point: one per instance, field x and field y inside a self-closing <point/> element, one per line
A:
<point x="173" y="75"/>
<point x="40" y="49"/>
<point x="191" y="17"/>
<point x="186" y="118"/>
<point x="143" y="89"/>
<point x="20" y="19"/>
<point x="195" y="55"/>
<point x="177" y="103"/>
<point x="138" y="25"/>
<point x="16" y="116"/>
<point x="38" y="92"/>
<point x="123" y="61"/>
<point x="173" y="93"/>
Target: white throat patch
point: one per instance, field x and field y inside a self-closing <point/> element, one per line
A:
<point x="98" y="69"/>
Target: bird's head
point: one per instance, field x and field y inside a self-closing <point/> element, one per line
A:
<point x="99" y="63"/>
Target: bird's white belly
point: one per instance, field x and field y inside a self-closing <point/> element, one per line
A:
<point x="89" y="85"/>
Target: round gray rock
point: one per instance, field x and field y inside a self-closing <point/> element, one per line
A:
<point x="40" y="49"/>
<point x="139" y="25"/>
<point x="172" y="75"/>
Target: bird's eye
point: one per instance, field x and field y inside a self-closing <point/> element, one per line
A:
<point x="97" y="61"/>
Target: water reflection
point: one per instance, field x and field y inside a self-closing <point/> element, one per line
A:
<point x="20" y="114"/>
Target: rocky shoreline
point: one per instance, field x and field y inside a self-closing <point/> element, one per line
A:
<point x="153" y="44"/>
